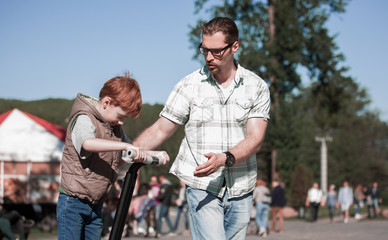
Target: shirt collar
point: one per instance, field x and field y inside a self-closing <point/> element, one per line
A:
<point x="207" y="76"/>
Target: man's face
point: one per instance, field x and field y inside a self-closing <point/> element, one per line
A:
<point x="217" y="62"/>
<point x="153" y="181"/>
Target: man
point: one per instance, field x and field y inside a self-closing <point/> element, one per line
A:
<point x="164" y="197"/>
<point x="376" y="198"/>
<point x="225" y="109"/>
<point x="278" y="202"/>
<point x="14" y="220"/>
<point x="345" y="199"/>
<point x="314" y="200"/>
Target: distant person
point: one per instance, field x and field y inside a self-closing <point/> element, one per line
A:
<point x="262" y="199"/>
<point x="331" y="201"/>
<point x="154" y="192"/>
<point x="109" y="208"/>
<point x="376" y="198"/>
<point x="345" y="199"/>
<point x="358" y="200"/>
<point x="15" y="219"/>
<point x="278" y="202"/>
<point x="368" y="200"/>
<point x="92" y="155"/>
<point x="182" y="207"/>
<point x="165" y="198"/>
<point x="5" y="229"/>
<point x="141" y="210"/>
<point x="224" y="109"/>
<point x="314" y="200"/>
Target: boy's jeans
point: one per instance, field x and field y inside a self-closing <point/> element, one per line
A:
<point x="78" y="219"/>
<point x="215" y="218"/>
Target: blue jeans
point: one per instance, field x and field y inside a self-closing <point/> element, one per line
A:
<point x="331" y="212"/>
<point x="164" y="213"/>
<point x="375" y="202"/>
<point x="179" y="210"/>
<point x="218" y="218"/>
<point x="357" y="207"/>
<point x="78" y="219"/>
<point x="262" y="210"/>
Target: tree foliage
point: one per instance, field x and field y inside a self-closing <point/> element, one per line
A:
<point x="301" y="180"/>
<point x="332" y="104"/>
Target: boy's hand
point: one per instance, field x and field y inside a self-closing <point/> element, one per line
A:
<point x="164" y="156"/>
<point x="140" y="154"/>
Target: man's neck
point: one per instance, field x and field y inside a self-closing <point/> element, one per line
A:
<point x="225" y="78"/>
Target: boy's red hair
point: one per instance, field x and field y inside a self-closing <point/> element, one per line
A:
<point x="125" y="93"/>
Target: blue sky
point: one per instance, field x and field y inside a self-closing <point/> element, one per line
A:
<point x="59" y="48"/>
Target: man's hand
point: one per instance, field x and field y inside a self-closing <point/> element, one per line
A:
<point x="214" y="162"/>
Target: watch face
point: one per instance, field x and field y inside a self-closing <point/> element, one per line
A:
<point x="230" y="160"/>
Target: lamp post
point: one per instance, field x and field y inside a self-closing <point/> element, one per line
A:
<point x="323" y="141"/>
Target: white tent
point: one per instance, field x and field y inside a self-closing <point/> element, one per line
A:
<point x="30" y="154"/>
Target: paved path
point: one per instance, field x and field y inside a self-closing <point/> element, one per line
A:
<point x="320" y="230"/>
<point x="302" y="230"/>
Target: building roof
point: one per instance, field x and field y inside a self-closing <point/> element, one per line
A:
<point x="25" y="137"/>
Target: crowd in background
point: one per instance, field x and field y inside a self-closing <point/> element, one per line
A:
<point x="151" y="202"/>
<point x="150" y="206"/>
<point x="266" y="201"/>
<point x="360" y="197"/>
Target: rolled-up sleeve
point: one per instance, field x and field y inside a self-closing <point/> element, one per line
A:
<point x="177" y="107"/>
<point x="261" y="104"/>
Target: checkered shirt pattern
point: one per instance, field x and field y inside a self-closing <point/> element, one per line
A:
<point x="215" y="123"/>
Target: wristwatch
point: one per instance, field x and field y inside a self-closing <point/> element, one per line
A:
<point x="230" y="159"/>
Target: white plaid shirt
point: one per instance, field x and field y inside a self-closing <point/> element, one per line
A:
<point x="215" y="123"/>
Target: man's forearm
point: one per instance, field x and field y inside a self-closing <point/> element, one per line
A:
<point x="149" y="139"/>
<point x="252" y="143"/>
<point x="156" y="134"/>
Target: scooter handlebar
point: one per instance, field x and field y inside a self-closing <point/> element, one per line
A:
<point x="129" y="155"/>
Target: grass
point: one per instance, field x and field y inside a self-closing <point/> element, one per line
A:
<point x="36" y="233"/>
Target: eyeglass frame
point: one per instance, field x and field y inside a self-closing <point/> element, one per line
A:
<point x="207" y="50"/>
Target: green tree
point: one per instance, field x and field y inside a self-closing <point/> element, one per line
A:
<point x="277" y="38"/>
<point x="300" y="182"/>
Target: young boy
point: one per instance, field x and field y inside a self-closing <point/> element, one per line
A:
<point x="92" y="156"/>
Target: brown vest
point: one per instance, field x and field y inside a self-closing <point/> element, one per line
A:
<point x="91" y="178"/>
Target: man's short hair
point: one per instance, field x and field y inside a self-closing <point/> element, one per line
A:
<point x="221" y="24"/>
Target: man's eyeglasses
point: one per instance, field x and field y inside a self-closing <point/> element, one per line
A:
<point x="214" y="52"/>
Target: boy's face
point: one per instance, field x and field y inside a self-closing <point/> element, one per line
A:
<point x="114" y="115"/>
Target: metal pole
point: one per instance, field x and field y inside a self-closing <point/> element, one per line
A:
<point x="324" y="166"/>
<point x="323" y="141"/>
<point x="124" y="201"/>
